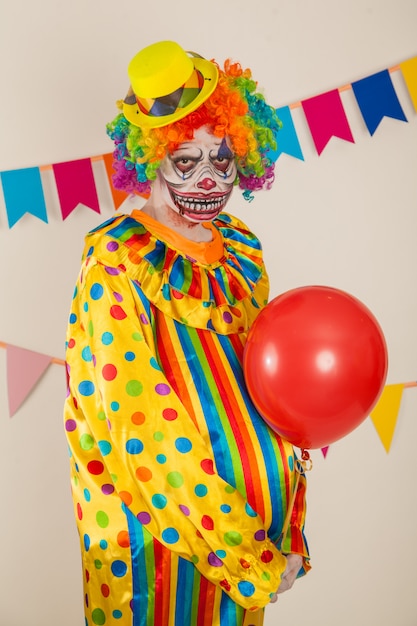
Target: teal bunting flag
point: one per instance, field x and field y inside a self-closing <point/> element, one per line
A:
<point x="23" y="193"/>
<point x="376" y="98"/>
<point x="287" y="139"/>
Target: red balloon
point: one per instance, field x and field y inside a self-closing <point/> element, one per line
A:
<point x="315" y="364"/>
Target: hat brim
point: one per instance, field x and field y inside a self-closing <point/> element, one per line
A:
<point x="210" y="74"/>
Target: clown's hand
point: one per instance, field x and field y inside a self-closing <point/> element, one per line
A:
<point x="294" y="563"/>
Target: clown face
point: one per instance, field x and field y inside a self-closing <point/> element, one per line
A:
<point x="197" y="179"/>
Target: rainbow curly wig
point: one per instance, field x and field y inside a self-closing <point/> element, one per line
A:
<point x="235" y="109"/>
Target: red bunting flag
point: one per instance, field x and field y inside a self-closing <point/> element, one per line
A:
<point x="76" y="185"/>
<point x="326" y="118"/>
<point x="24" y="369"/>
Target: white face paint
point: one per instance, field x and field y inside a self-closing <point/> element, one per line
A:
<point x="198" y="177"/>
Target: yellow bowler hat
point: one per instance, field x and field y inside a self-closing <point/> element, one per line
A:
<point x="166" y="84"/>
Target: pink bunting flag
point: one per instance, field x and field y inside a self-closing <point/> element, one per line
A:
<point x="24" y="369"/>
<point x="324" y="451"/>
<point x="76" y="185"/>
<point x="326" y="118"/>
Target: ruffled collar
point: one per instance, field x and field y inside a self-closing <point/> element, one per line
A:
<point x="224" y="295"/>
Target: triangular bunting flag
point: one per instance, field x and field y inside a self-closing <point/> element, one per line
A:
<point x="118" y="196"/>
<point x="376" y="98"/>
<point x="325" y="451"/>
<point x="76" y="185"/>
<point x="326" y="118"/>
<point x="287" y="140"/>
<point x="409" y="71"/>
<point x="23" y="193"/>
<point x="385" y="414"/>
<point x="24" y="369"/>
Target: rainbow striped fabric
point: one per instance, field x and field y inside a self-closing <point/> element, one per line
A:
<point x="180" y="489"/>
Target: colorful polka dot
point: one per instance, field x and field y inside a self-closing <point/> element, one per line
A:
<point x="175" y="479"/>
<point x="249" y="510"/>
<point x="183" y="445"/>
<point x="154" y="363"/>
<point x="86" y="388"/>
<point x="86" y="442"/>
<point x="267" y="556"/>
<point x="123" y="539"/>
<point x="169" y="414"/>
<point x="159" y="501"/>
<point x="105" y="590"/>
<point x="109" y="372"/>
<point x="143" y="474"/>
<point x="138" y="418"/>
<point x="200" y="490"/>
<point x="162" y="389"/>
<point x="118" y="568"/>
<point x="95" y="468"/>
<point x="207" y="466"/>
<point x="96" y="291"/>
<point x="134" y="388"/>
<point x="134" y="446"/>
<point x="86" y="354"/>
<point x="246" y="588"/>
<point x="98" y="616"/>
<point x="144" y="517"/>
<point x="170" y="535"/>
<point x="105" y="447"/>
<point x="107" y="338"/>
<point x="70" y="425"/>
<point x="117" y="312"/>
<point x="207" y="522"/>
<point x="233" y="538"/>
<point x="102" y="519"/>
<point x="214" y="560"/>
<point x="260" y="535"/>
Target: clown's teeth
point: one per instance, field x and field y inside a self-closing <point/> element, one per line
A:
<point x="201" y="205"/>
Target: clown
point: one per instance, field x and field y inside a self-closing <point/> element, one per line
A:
<point x="180" y="489"/>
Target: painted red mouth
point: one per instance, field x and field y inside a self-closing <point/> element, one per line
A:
<point x="200" y="206"/>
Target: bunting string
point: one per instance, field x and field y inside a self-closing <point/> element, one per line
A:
<point x="325" y="116"/>
<point x="24" y="369"/>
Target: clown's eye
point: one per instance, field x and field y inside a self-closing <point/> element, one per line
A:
<point x="184" y="165"/>
<point x="221" y="164"/>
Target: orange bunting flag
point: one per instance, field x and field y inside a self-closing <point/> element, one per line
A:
<point x="117" y="195"/>
<point x="24" y="369"/>
<point x="326" y="118"/>
<point x="385" y="414"/>
<point x="409" y="72"/>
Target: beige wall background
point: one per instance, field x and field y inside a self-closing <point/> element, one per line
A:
<point x="347" y="219"/>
